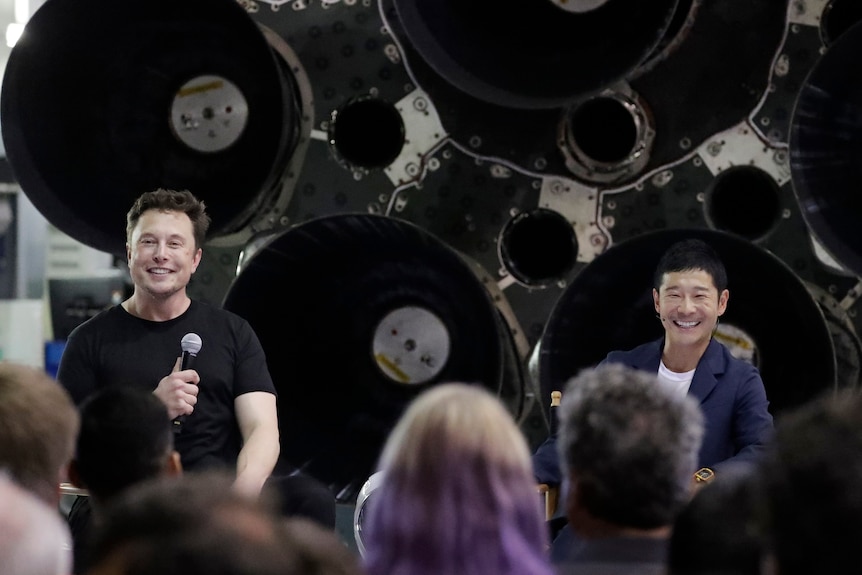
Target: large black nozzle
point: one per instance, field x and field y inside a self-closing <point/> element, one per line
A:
<point x="826" y="149"/>
<point x="101" y="102"/>
<point x="358" y="314"/>
<point x="532" y="53"/>
<point x="771" y="318"/>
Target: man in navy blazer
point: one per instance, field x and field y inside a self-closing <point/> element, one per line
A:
<point x="690" y="294"/>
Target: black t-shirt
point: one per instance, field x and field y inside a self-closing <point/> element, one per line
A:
<point x="117" y="348"/>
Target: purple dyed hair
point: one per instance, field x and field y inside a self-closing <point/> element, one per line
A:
<point x="458" y="495"/>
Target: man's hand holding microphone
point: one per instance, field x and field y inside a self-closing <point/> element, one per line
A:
<point x="179" y="389"/>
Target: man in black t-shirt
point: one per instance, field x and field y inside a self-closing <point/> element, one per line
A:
<point x="228" y="401"/>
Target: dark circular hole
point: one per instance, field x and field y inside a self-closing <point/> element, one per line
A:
<point x="538" y="247"/>
<point x="603" y="129"/>
<point x="367" y="133"/>
<point x="744" y="201"/>
<point x="838" y="16"/>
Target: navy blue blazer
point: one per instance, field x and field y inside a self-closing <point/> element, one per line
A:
<point x="731" y="395"/>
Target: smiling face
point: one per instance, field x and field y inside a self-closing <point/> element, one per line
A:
<point x="689" y="305"/>
<point x="162" y="253"/>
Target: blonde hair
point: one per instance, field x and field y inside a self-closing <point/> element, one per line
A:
<point x="458" y="496"/>
<point x="38" y="428"/>
<point x="465" y="418"/>
<point x="34" y="540"/>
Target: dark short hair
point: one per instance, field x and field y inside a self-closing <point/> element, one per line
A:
<point x="719" y="531"/>
<point x="631" y="443"/>
<point x="174" y="201"/>
<point x="689" y="255"/>
<point x="125" y="438"/>
<point x="198" y="524"/>
<point x="811" y="474"/>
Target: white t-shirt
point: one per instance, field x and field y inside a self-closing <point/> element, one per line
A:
<point x="678" y="382"/>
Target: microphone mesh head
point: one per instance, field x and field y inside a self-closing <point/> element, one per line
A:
<point x="191" y="343"/>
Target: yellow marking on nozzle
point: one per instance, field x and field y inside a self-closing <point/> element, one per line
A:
<point x="392" y="367"/>
<point x="214" y="85"/>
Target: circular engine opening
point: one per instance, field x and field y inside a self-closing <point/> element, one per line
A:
<point x="209" y="113"/>
<point x="745" y="201"/>
<point x="411" y="345"/>
<point x="603" y="129"/>
<point x="608" y="138"/>
<point x="367" y="133"/>
<point x="538" y="247"/>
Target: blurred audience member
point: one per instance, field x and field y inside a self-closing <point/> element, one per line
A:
<point x="458" y="495"/>
<point x="33" y="538"/>
<point x="718" y="532"/>
<point x="198" y="525"/>
<point x="629" y="447"/>
<point x="126" y="437"/>
<point x="38" y="426"/>
<point x="319" y="550"/>
<point x="812" y="475"/>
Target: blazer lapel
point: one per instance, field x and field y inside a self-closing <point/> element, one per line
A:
<point x="648" y="357"/>
<point x="710" y="365"/>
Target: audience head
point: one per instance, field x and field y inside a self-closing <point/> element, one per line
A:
<point x="319" y="550"/>
<point x="811" y="475"/>
<point x="628" y="447"/>
<point x="198" y="524"/>
<point x="718" y="532"/>
<point x="458" y="494"/>
<point x="126" y="437"/>
<point x="171" y="201"/>
<point x="691" y="255"/>
<point x="34" y="540"/>
<point x="38" y="426"/>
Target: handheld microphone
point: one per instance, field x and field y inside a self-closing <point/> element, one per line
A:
<point x="191" y="344"/>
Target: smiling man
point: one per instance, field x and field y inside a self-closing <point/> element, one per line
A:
<point x="690" y="294"/>
<point x="228" y="398"/>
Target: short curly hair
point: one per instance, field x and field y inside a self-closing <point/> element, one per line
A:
<point x="631" y="443"/>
